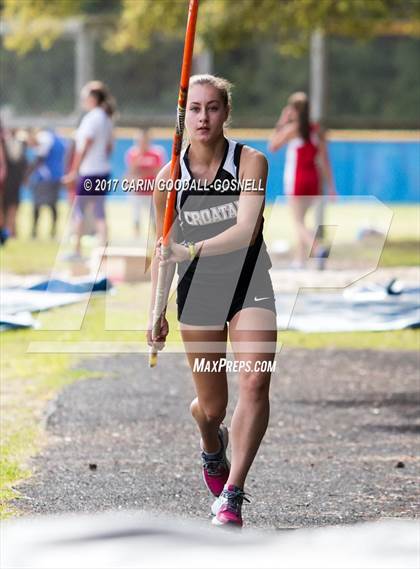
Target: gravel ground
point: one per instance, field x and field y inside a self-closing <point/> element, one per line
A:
<point x="340" y="448"/>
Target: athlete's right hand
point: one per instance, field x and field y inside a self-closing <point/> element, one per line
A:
<point x="69" y="178"/>
<point x="158" y="343"/>
<point x="286" y="116"/>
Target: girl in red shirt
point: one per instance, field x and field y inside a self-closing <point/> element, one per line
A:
<point x="306" y="155"/>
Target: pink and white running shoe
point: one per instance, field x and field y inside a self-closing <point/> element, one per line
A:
<point x="216" y="468"/>
<point x="227" y="509"/>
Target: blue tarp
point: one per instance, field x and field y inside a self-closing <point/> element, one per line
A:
<point x="367" y="308"/>
<point x="56" y="285"/>
<point x="17" y="304"/>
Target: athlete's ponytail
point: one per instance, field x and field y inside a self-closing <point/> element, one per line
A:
<point x="299" y="101"/>
<point x="100" y="92"/>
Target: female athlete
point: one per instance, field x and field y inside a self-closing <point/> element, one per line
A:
<point x="302" y="180"/>
<point x="224" y="289"/>
<point x="91" y="166"/>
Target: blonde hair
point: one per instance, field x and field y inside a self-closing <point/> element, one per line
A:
<point x="298" y="98"/>
<point x="223" y="86"/>
<point x="102" y="94"/>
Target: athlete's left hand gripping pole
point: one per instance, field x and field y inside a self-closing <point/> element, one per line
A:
<point x="162" y="288"/>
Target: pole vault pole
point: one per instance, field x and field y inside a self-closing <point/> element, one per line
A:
<point x="162" y="289"/>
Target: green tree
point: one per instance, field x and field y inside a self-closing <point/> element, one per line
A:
<point x="375" y="83"/>
<point x="372" y="83"/>
<point x="223" y="24"/>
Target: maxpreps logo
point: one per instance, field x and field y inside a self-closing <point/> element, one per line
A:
<point x="210" y="215"/>
<point x="202" y="365"/>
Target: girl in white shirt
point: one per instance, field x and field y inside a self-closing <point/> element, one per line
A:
<point x="91" y="163"/>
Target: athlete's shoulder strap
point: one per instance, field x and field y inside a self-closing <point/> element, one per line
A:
<point x="237" y="157"/>
<point x="231" y="164"/>
<point x="185" y="174"/>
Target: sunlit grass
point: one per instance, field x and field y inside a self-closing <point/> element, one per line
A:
<point x="392" y="340"/>
<point x="401" y="223"/>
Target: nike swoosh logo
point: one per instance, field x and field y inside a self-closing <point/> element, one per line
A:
<point x="263" y="298"/>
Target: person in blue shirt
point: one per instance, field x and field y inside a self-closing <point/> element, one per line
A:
<point x="46" y="173"/>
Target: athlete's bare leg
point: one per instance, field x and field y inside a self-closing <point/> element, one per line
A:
<point x="250" y="418"/>
<point x="209" y="407"/>
<point x="78" y="228"/>
<point x="10" y="220"/>
<point x="306" y="237"/>
<point x="102" y="231"/>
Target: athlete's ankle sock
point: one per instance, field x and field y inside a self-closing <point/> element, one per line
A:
<point x="213" y="455"/>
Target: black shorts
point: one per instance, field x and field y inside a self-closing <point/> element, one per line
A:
<point x="216" y="301"/>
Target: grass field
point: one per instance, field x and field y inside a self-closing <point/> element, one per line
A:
<point x="401" y="223"/>
<point x="29" y="380"/>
